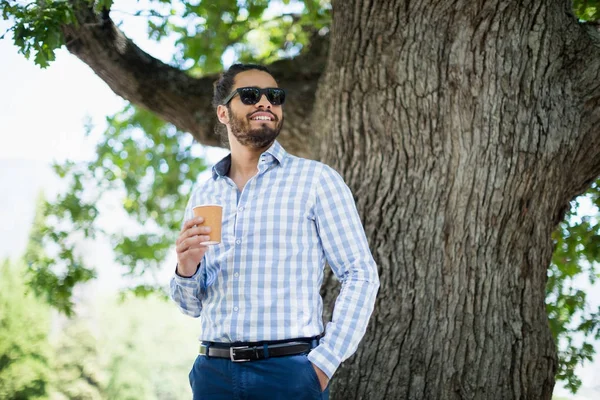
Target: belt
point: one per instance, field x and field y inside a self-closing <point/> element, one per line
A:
<point x="251" y="352"/>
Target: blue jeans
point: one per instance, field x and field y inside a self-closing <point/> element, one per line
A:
<point x="286" y="378"/>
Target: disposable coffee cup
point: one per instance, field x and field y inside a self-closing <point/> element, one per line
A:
<point x="213" y="217"/>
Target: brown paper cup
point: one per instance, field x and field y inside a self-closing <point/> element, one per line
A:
<point x="213" y="216"/>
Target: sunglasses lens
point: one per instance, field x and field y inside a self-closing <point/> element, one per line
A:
<point x="276" y="96"/>
<point x="250" y="96"/>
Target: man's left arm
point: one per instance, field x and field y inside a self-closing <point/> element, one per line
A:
<point x="347" y="252"/>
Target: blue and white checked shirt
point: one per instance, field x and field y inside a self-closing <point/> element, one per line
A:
<point x="262" y="281"/>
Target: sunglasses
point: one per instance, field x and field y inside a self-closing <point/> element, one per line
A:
<point x="252" y="95"/>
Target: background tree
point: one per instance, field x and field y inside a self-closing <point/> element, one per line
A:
<point x="464" y="130"/>
<point x="114" y="349"/>
<point x="146" y="355"/>
<point x="78" y="373"/>
<point x="25" y="359"/>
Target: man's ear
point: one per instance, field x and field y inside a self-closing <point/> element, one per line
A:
<point x="223" y="114"/>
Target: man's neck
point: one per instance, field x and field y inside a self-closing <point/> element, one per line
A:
<point x="244" y="162"/>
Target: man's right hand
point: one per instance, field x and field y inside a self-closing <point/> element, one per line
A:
<point x="189" y="250"/>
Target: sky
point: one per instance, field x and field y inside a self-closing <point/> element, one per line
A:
<point x="42" y="119"/>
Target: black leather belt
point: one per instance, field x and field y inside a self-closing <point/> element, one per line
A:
<point x="253" y="352"/>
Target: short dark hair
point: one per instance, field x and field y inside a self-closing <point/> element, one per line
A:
<point x="225" y="83"/>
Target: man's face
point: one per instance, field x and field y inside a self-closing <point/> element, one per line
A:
<point x="255" y="125"/>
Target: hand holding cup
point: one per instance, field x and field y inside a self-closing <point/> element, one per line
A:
<point x="201" y="231"/>
<point x="189" y="247"/>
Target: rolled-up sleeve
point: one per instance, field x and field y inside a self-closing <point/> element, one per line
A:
<point x="347" y="251"/>
<point x="188" y="292"/>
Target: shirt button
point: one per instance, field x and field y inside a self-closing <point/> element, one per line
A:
<point x="238" y="241"/>
<point x="235" y="308"/>
<point x="236" y="274"/>
<point x="241" y="209"/>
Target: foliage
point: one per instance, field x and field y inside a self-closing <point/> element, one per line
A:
<point x="575" y="259"/>
<point x="148" y="349"/>
<point x="141" y="159"/>
<point x="587" y="10"/>
<point x="36" y="30"/>
<point x="54" y="277"/>
<point x="203" y="30"/>
<point x="208" y="29"/>
<point x="25" y="370"/>
<point x="135" y="349"/>
<point x="77" y="366"/>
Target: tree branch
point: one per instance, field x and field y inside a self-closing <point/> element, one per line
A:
<point x="178" y="98"/>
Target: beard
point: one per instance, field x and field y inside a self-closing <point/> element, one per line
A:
<point x="257" y="138"/>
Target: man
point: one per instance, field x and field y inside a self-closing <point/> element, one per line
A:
<point x="257" y="292"/>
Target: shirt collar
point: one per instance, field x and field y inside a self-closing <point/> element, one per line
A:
<point x="275" y="153"/>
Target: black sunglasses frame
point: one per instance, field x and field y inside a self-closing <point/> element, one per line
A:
<point x="261" y="91"/>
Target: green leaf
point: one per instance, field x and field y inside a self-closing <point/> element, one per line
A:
<point x="36" y="27"/>
<point x="587" y="10"/>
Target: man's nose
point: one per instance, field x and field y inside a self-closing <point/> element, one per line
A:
<point x="263" y="102"/>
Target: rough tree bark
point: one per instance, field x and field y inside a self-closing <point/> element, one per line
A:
<point x="461" y="130"/>
<point x="464" y="128"/>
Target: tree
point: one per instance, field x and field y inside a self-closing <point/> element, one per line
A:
<point x="145" y="355"/>
<point x="78" y="374"/>
<point x="114" y="349"/>
<point x="464" y="130"/>
<point x="25" y="362"/>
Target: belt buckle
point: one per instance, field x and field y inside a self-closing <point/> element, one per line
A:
<point x="232" y="353"/>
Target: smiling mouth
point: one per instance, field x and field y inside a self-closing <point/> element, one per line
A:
<point x="261" y="118"/>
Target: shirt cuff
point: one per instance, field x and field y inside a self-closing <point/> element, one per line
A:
<point x="323" y="358"/>
<point x="184" y="280"/>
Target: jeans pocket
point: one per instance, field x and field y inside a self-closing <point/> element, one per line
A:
<point x="313" y="374"/>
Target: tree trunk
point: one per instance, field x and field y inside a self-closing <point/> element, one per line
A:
<point x="457" y="126"/>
